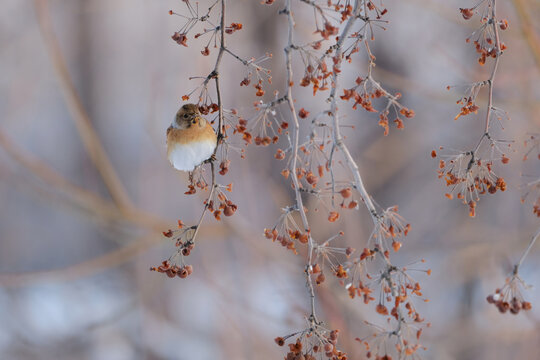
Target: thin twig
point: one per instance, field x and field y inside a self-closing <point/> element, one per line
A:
<point x="296" y="132"/>
<point x="338" y="139"/>
<point x="495" y="66"/>
<point x="215" y="75"/>
<point x="531" y="244"/>
<point x="222" y="48"/>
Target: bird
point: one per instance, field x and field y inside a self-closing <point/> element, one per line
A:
<point x="191" y="140"/>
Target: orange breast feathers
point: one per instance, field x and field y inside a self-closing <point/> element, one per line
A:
<point x="188" y="148"/>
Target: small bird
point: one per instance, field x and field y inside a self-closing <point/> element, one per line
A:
<point x="191" y="140"/>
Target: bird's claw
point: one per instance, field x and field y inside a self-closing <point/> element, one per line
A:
<point x="210" y="159"/>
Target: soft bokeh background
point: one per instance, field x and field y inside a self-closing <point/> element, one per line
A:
<point x="74" y="279"/>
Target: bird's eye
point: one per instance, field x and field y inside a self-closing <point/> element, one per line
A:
<point x="185" y="116"/>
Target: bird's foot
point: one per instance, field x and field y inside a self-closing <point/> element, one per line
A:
<point x="210" y="159"/>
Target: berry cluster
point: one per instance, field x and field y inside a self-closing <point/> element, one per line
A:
<point x="509" y="297"/>
<point x="313" y="344"/>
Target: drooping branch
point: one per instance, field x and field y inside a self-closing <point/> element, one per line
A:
<point x="526" y="252"/>
<point x="353" y="167"/>
<point x="185" y="237"/>
<point x="498" y="52"/>
<point x="296" y="132"/>
<point x="338" y="139"/>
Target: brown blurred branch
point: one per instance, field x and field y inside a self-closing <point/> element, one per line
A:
<point x="82" y="121"/>
<point x="83" y="198"/>
<point x="533" y="39"/>
<point x="99" y="263"/>
<point x="84" y="268"/>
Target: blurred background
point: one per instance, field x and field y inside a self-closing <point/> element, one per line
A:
<point x="87" y="89"/>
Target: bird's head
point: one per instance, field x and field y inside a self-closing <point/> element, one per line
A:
<point x="187" y="116"/>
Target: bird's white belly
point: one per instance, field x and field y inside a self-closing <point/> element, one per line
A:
<point x="186" y="157"/>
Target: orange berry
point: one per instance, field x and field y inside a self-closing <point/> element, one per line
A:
<point x="333" y="216"/>
<point x="346" y="193"/>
